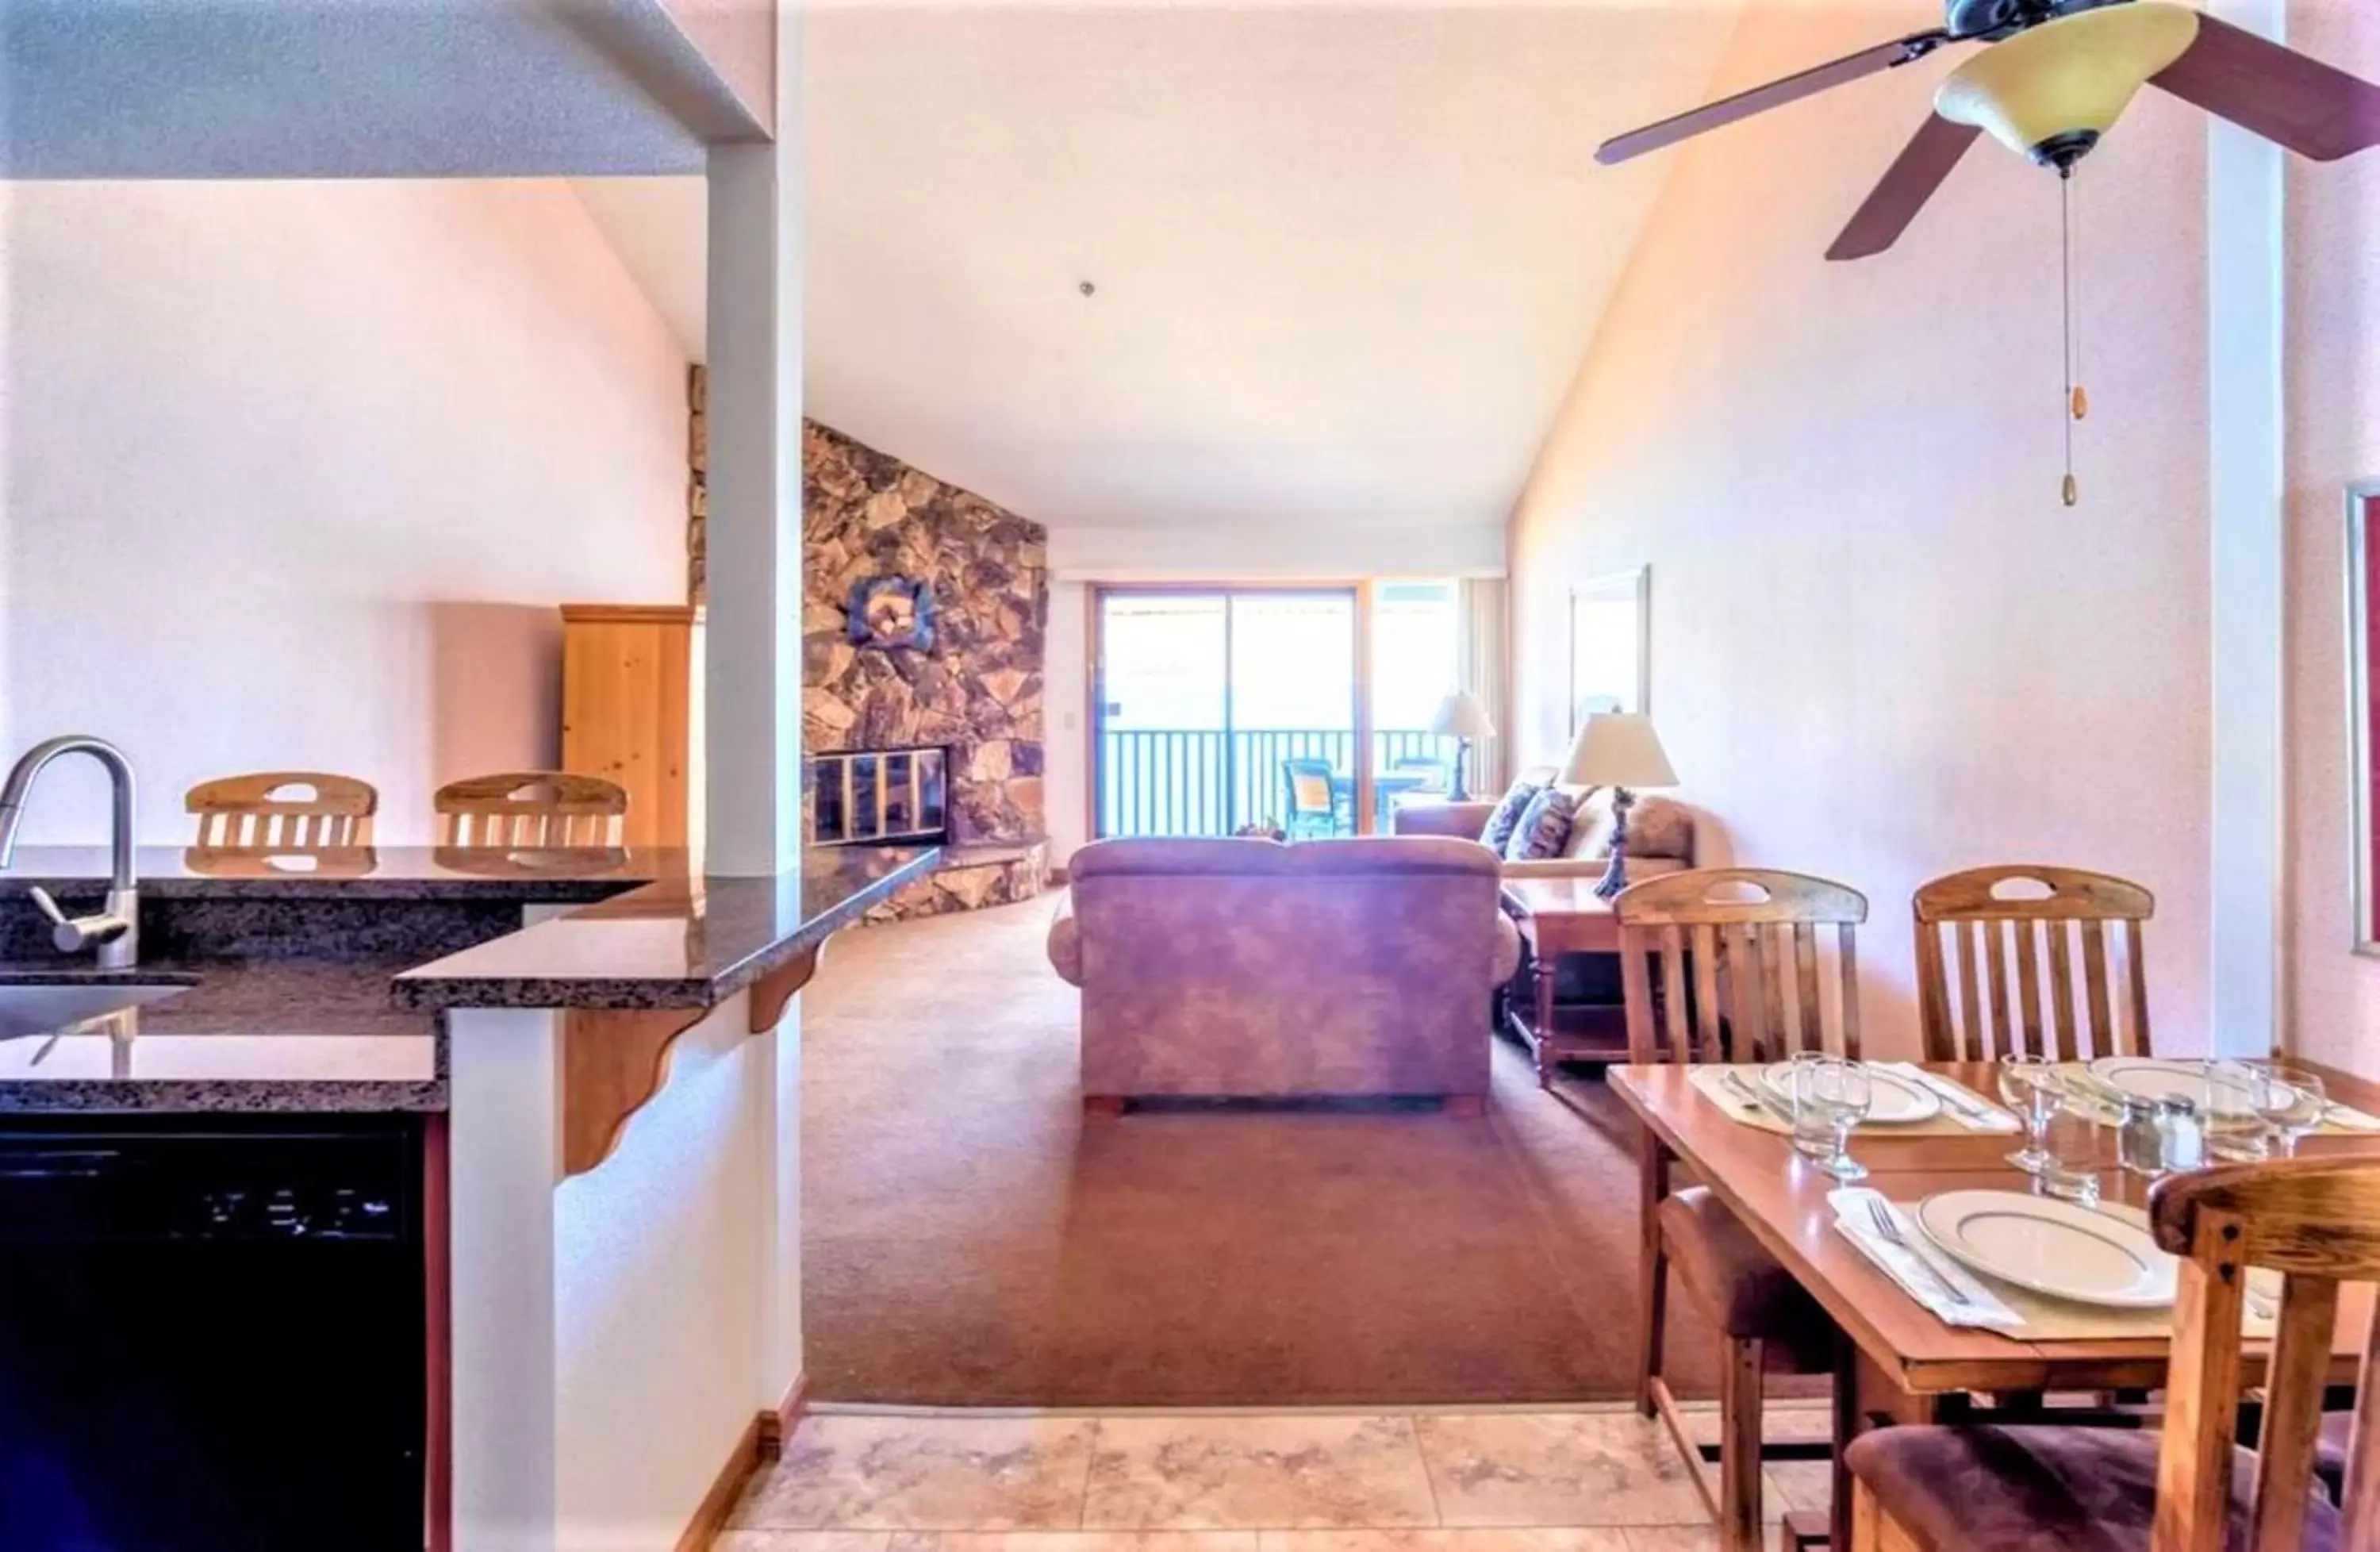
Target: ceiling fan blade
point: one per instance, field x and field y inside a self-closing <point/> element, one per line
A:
<point x="2316" y="110"/>
<point x="1912" y="179"/>
<point x="1776" y="95"/>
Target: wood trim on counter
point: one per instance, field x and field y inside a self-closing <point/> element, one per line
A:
<point x="773" y="991"/>
<point x="611" y="1063"/>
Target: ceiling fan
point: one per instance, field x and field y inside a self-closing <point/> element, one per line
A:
<point x="2056" y="76"/>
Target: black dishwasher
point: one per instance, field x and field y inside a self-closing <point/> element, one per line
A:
<point x="211" y="1334"/>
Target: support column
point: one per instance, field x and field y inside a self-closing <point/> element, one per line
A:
<point x="504" y="1151"/>
<point x="2247" y="509"/>
<point x="753" y="662"/>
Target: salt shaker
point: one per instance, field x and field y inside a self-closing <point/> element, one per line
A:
<point x="2140" y="1139"/>
<point x="2181" y="1132"/>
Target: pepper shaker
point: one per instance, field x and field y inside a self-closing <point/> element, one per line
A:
<point x="2139" y="1138"/>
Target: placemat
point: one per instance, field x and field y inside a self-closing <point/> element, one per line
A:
<point x="2340" y="1121"/>
<point x="1709" y="1079"/>
<point x="2052" y="1320"/>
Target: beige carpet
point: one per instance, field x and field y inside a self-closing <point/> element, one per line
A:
<point x="970" y="1240"/>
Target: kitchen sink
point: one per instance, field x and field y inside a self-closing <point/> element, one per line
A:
<point x="44" y="1009"/>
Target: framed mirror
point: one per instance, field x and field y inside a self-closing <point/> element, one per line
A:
<point x="1610" y="644"/>
<point x="2363" y="712"/>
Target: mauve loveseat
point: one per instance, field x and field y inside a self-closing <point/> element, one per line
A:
<point x="1250" y="969"/>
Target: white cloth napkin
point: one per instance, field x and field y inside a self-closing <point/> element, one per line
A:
<point x="1969" y="1111"/>
<point x="1906" y="1264"/>
<point x="2350" y="1118"/>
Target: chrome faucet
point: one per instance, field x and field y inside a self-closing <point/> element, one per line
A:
<point x="116" y="931"/>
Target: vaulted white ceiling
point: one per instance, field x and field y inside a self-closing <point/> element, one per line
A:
<point x="1343" y="261"/>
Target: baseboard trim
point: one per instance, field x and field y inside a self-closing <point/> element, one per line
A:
<point x="1057" y="875"/>
<point x="763" y="1442"/>
<point x="776" y="1427"/>
<point x="710" y="1516"/>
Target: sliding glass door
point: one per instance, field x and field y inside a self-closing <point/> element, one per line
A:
<point x="1218" y="709"/>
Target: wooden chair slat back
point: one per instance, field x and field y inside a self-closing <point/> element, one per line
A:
<point x="2028" y="925"/>
<point x="531" y="810"/>
<point x="282" y="810"/>
<point x="1750" y="942"/>
<point x="2318" y="1223"/>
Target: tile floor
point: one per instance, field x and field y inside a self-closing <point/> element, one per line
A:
<point x="1575" y="1481"/>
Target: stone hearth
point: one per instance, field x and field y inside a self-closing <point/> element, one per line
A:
<point x="977" y="689"/>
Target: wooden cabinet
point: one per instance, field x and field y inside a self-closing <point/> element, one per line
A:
<point x="631" y="711"/>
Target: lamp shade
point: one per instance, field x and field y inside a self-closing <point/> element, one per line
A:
<point x="1460" y="715"/>
<point x="1618" y="750"/>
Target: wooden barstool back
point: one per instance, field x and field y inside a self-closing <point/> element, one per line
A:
<point x="2046" y="922"/>
<point x="531" y="810"/>
<point x="1749" y="940"/>
<point x="282" y="810"/>
<point x="2316" y="1221"/>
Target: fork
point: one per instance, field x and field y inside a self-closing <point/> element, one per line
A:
<point x="1888" y="1228"/>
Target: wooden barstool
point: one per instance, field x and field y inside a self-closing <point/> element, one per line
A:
<point x="282" y="810"/>
<point x="530" y="809"/>
<point x="1738" y="951"/>
<point x="2029" y="914"/>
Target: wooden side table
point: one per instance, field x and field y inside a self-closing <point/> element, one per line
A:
<point x="1557" y="916"/>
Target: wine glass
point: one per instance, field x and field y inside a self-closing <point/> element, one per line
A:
<point x="1839" y="1093"/>
<point x="2030" y="1086"/>
<point x="2236" y="1130"/>
<point x="2289" y="1100"/>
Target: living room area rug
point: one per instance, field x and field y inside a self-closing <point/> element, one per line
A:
<point x="971" y="1239"/>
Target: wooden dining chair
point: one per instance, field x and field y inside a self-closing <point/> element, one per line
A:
<point x="526" y="810"/>
<point x="2190" y="1487"/>
<point x="1724" y="964"/>
<point x="282" y="810"/>
<point x="2044" y="921"/>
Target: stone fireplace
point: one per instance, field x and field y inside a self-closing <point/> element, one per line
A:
<point x="973" y="690"/>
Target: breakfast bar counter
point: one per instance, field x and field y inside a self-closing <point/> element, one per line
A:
<point x="589" y="1054"/>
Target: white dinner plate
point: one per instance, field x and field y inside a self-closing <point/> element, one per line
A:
<point x="2149" y="1077"/>
<point x="1895" y="1100"/>
<point x="2051" y="1247"/>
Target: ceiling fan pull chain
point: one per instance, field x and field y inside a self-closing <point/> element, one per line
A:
<point x="2077" y="403"/>
<point x="2080" y="400"/>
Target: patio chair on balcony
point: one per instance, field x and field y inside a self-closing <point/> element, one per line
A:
<point x="1436" y="774"/>
<point x="1312" y="797"/>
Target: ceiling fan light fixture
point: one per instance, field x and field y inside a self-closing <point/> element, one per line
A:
<point x="2049" y="93"/>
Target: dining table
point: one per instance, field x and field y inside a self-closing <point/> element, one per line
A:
<point x="1896" y="1360"/>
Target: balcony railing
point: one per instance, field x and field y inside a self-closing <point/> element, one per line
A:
<point x="1206" y="782"/>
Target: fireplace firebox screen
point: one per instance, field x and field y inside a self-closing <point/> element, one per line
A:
<point x="875" y="796"/>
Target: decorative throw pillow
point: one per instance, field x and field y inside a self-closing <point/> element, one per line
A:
<point x="1544" y="829"/>
<point x="1507" y="816"/>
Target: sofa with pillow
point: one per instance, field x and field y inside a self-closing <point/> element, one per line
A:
<point x="1541" y="830"/>
<point x="1250" y="968"/>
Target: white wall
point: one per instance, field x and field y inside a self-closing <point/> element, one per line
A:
<point x="662" y="1288"/>
<point x="297" y="472"/>
<point x="1280" y="552"/>
<point x="1881" y="648"/>
<point x="617" y="1332"/>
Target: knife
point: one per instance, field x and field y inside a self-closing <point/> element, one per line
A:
<point x="1734" y="1080"/>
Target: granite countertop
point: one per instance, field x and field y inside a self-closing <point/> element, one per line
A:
<point x="681" y="942"/>
<point x="279" y="1035"/>
<point x="335" y="1016"/>
<point x="561" y="876"/>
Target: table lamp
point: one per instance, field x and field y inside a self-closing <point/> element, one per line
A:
<point x="1619" y="750"/>
<point x="1462" y="718"/>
